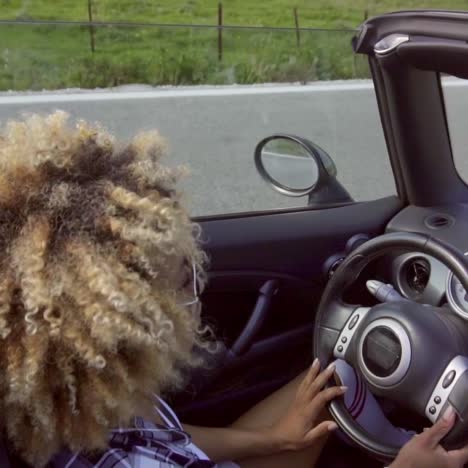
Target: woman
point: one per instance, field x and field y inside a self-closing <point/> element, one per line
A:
<point x="98" y="261"/>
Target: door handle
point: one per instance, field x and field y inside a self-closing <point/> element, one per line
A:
<point x="224" y="357"/>
<point x="247" y="337"/>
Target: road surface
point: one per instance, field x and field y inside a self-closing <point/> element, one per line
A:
<point x="214" y="131"/>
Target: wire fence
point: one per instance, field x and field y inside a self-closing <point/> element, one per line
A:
<point x="51" y="55"/>
<point x="91" y="52"/>
<point x="92" y="25"/>
<point x="206" y="11"/>
<point x="103" y="43"/>
<point x="336" y="15"/>
<point x="309" y="11"/>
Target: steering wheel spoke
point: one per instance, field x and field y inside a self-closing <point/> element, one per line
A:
<point x="331" y="327"/>
<point x="339" y="313"/>
<point x="451" y="388"/>
<point x="345" y="346"/>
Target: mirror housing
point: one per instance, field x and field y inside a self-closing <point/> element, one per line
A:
<point x="325" y="189"/>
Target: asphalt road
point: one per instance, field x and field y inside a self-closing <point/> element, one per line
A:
<point x="214" y="132"/>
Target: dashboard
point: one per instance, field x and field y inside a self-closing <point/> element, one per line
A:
<point x="421" y="277"/>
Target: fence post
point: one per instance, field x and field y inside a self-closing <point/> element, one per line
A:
<point x="298" y="31"/>
<point x="220" y="31"/>
<point x="91" y="27"/>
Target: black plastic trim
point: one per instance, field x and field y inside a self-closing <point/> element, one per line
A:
<point x="441" y="55"/>
<point x="255" y="214"/>
<point x="411" y="99"/>
<point x="433" y="23"/>
<point x="383" y="106"/>
<point x="422" y="140"/>
<point x="293" y="243"/>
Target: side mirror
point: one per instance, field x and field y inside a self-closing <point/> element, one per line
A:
<point x="296" y="167"/>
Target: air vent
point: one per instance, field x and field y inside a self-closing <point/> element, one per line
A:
<point x="439" y="221"/>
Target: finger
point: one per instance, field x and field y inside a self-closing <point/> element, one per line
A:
<point x="321" y="380"/>
<point x="440" y="429"/>
<point x="312" y="373"/>
<point x="322" y="398"/>
<point x="321" y="430"/>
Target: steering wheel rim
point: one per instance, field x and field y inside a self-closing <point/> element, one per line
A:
<point x="347" y="272"/>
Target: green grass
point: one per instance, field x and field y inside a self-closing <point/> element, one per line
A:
<point x="50" y="57"/>
<point x="313" y="13"/>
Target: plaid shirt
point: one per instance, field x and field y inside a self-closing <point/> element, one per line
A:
<point x="143" y="445"/>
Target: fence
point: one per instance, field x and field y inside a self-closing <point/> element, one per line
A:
<point x="102" y="43"/>
<point x="294" y="11"/>
<point x="37" y="55"/>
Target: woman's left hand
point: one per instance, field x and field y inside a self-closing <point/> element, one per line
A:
<point x="302" y="424"/>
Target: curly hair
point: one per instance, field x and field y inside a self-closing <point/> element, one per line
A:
<point x="95" y="245"/>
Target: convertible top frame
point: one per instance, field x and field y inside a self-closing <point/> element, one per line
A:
<point x="411" y="101"/>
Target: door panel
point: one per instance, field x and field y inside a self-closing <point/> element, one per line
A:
<point x="237" y="292"/>
<point x="296" y="243"/>
<point x="246" y="252"/>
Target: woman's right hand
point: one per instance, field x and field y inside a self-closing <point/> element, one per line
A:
<point x="425" y="451"/>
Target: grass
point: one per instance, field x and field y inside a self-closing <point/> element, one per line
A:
<point x="50" y="56"/>
<point x="312" y="13"/>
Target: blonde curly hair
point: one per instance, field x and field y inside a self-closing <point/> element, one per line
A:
<point x="95" y="246"/>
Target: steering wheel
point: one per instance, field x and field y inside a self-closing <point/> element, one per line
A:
<point x="414" y="354"/>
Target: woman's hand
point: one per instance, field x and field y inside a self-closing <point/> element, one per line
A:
<point x="303" y="422"/>
<point x="300" y="426"/>
<point x="424" y="450"/>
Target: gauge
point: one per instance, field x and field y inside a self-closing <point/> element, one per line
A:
<point x="417" y="274"/>
<point x="457" y="296"/>
<point x="413" y="276"/>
